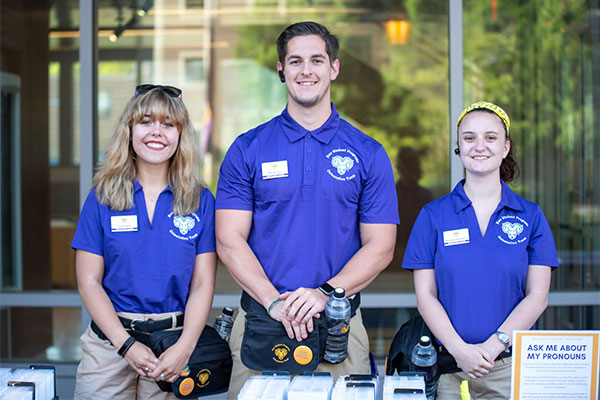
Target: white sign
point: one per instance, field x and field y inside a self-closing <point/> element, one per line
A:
<point x="555" y="365"/>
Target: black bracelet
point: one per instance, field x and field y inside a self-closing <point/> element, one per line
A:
<point x="128" y="343"/>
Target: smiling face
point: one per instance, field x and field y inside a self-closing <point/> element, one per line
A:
<point x="154" y="141"/>
<point x="308" y="71"/>
<point x="482" y="143"/>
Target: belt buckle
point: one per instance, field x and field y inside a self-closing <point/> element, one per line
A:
<point x="133" y="321"/>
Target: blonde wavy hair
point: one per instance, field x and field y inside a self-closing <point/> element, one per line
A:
<point x="114" y="179"/>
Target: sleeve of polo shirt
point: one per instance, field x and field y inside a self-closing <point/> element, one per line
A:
<point x="422" y="243"/>
<point x="378" y="200"/>
<point x="89" y="235"/>
<point x="234" y="190"/>
<point x="541" y="247"/>
<point x="206" y="240"/>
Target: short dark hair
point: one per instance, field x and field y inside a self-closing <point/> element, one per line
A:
<point x="332" y="45"/>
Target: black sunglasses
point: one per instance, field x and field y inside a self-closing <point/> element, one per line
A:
<point x="170" y="91"/>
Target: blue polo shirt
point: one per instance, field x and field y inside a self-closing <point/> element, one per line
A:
<point x="147" y="267"/>
<point x="480" y="279"/>
<point x="308" y="191"/>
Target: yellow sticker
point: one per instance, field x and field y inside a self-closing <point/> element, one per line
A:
<point x="281" y="352"/>
<point x="303" y="355"/>
<point x="203" y="377"/>
<point x="186" y="386"/>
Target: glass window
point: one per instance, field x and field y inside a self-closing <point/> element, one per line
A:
<point x="537" y="60"/>
<point x="40" y="174"/>
<point x="393" y="83"/>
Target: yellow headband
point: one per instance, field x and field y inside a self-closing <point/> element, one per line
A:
<point x="484" y="105"/>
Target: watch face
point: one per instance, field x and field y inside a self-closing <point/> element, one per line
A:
<point x="504" y="339"/>
<point x="327" y="288"/>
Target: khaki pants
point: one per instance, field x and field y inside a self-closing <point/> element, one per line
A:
<point x="357" y="361"/>
<point x="493" y="386"/>
<point x="103" y="374"/>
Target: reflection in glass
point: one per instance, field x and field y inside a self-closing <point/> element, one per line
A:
<point x="224" y="58"/>
<point x="56" y="341"/>
<point x="537" y="60"/>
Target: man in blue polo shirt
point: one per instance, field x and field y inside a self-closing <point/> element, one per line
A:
<point x="305" y="203"/>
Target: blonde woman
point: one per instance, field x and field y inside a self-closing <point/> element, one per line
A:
<point x="482" y="257"/>
<point x="145" y="250"/>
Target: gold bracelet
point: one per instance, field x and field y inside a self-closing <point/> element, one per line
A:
<point x="273" y="304"/>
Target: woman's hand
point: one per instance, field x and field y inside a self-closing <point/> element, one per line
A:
<point x="493" y="346"/>
<point x="141" y="359"/>
<point x="474" y="360"/>
<point x="171" y="362"/>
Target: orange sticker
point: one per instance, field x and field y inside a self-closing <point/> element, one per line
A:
<point x="186" y="386"/>
<point x="303" y="355"/>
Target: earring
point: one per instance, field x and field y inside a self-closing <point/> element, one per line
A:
<point x="281" y="76"/>
<point x="457" y="151"/>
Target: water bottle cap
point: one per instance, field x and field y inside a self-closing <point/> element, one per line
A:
<point x="339" y="293"/>
<point x="425" y="341"/>
<point x="228" y="311"/>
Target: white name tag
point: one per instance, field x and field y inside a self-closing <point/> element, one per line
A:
<point x="275" y="169"/>
<point x="457" y="236"/>
<point x="124" y="223"/>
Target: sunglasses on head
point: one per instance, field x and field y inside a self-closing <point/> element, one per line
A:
<point x="170" y="91"/>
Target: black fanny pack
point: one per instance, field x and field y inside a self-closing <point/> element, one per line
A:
<point x="209" y="367"/>
<point x="266" y="345"/>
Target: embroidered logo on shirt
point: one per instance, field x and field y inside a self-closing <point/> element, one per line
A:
<point x="342" y="161"/>
<point x="342" y="164"/>
<point x="512" y="226"/>
<point x="512" y="230"/>
<point x="185" y="225"/>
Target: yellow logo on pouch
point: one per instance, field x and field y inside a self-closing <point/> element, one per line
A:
<point x="203" y="377"/>
<point x="186" y="386"/>
<point x="303" y="355"/>
<point x="281" y="352"/>
<point x="345" y="329"/>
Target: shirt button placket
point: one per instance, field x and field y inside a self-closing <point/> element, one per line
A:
<point x="309" y="167"/>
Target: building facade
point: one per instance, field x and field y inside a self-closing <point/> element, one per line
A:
<point x="408" y="67"/>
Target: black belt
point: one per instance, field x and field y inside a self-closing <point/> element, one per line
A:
<point x="143" y="326"/>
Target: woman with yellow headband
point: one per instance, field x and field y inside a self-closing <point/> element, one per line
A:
<point x="482" y="257"/>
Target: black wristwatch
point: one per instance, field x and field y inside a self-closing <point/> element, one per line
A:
<point x="327" y="289"/>
<point x="504" y="339"/>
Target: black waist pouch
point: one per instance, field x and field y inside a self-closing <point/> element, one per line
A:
<point x="266" y="345"/>
<point x="209" y="366"/>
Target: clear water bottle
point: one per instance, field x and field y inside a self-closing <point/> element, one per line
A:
<point x="224" y="323"/>
<point x="337" y="313"/>
<point x="424" y="358"/>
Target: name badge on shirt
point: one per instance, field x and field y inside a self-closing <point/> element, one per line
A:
<point x="457" y="236"/>
<point x="124" y="223"/>
<point x="275" y="169"/>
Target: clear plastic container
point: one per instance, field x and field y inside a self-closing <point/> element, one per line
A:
<point x="265" y="387"/>
<point x="360" y="387"/>
<point x="404" y="386"/>
<point x="313" y="387"/>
